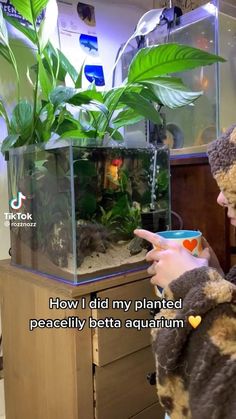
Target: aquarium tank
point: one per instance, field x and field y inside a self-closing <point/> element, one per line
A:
<point x="73" y="209"/>
<point x="211" y="27"/>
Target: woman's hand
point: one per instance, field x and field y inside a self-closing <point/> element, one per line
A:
<point x="170" y="260"/>
<point x="209" y="254"/>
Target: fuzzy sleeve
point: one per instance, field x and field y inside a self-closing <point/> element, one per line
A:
<point x="202" y="287"/>
<point x="231" y="276"/>
<point x="196" y="368"/>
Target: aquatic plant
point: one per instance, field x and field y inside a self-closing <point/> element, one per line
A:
<point x="147" y="87"/>
<point x="121" y="227"/>
<point x="130" y="222"/>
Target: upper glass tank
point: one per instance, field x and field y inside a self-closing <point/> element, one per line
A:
<point x="211" y="27"/>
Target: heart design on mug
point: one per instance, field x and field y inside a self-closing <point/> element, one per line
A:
<point x="190" y="244"/>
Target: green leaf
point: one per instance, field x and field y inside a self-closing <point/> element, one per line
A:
<point x="45" y="120"/>
<point x="142" y="107"/>
<point x="116" y="135"/>
<point x="5" y="49"/>
<point x="126" y="117"/>
<point x="3" y="30"/>
<point x="77" y="134"/>
<point x="165" y="59"/>
<point x="61" y="65"/>
<point x="41" y="134"/>
<point x="22" y="119"/>
<point x="65" y="126"/>
<point x="49" y="67"/>
<point x="5" y="53"/>
<point x="67" y="66"/>
<point x="149" y="94"/>
<point x="111" y="100"/>
<point x="69" y="95"/>
<point x="45" y="83"/>
<point x="171" y="91"/>
<point x="3" y="113"/>
<point x="113" y="97"/>
<point x="47" y="116"/>
<point x="27" y="31"/>
<point x="9" y="142"/>
<point x="78" y="83"/>
<point x="52" y="64"/>
<point x="79" y="99"/>
<point x="85" y="120"/>
<point x="94" y="106"/>
<point x="121" y="206"/>
<point x="30" y="9"/>
<point x="87" y="96"/>
<point x="62" y="94"/>
<point x="49" y="24"/>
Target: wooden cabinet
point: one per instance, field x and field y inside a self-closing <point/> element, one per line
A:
<point x="64" y="373"/>
<point x="107" y="345"/>
<point x="121" y="389"/>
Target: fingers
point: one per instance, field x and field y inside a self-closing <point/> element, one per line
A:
<point x="152" y="238"/>
<point x="204" y="243"/>
<point x="154" y="255"/>
<point x="152" y="269"/>
<point x="205" y="254"/>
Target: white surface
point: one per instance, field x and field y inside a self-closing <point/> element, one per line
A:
<point x="8" y="94"/>
<point x="4" y="231"/>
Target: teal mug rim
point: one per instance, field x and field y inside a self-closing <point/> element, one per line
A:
<point x="190" y="234"/>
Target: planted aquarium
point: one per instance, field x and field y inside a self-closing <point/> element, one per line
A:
<point x="73" y="209"/>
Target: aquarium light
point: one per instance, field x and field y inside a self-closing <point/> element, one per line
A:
<point x="210" y="8"/>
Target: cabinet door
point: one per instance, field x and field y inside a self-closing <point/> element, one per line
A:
<point x="152" y="412"/>
<point x="110" y="344"/>
<point x="122" y="389"/>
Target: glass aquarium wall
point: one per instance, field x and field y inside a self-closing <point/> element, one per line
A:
<point x="73" y="209"/>
<point x="193" y="126"/>
<point x="227" y="71"/>
<point x="211" y="27"/>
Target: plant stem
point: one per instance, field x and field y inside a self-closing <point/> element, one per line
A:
<point x="3" y="113"/>
<point x="16" y="71"/>
<point x="113" y="108"/>
<point x="35" y="97"/>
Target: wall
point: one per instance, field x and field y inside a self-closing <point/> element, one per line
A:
<point x="115" y="24"/>
<point x="8" y="92"/>
<point x="4" y="233"/>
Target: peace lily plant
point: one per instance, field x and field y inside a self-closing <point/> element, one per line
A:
<point x="52" y="110"/>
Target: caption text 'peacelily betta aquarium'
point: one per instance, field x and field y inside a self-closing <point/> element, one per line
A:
<point x="75" y="208"/>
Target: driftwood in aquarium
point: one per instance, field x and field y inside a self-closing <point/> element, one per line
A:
<point x="90" y="237"/>
<point x="57" y="244"/>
